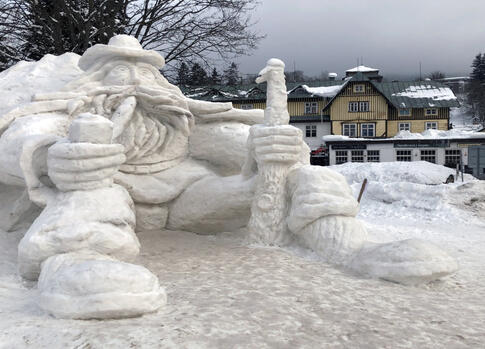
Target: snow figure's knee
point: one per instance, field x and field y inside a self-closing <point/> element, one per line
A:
<point x="101" y="220"/>
<point x="318" y="192"/>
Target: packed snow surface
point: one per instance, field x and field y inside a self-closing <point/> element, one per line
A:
<point x="21" y="81"/>
<point x="427" y="91"/>
<point x="225" y="294"/>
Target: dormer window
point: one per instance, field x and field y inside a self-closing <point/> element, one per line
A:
<point x="405" y="112"/>
<point x="359" y="88"/>
<point x="311" y="108"/>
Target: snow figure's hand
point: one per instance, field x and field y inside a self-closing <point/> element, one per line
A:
<point x="87" y="160"/>
<point x="275" y="144"/>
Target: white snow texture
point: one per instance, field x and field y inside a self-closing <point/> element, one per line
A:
<point x="119" y="144"/>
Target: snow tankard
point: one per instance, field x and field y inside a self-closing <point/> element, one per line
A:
<point x="171" y="162"/>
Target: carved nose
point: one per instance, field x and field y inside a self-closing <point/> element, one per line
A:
<point x="135" y="77"/>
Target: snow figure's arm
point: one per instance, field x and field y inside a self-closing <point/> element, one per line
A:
<point x="212" y="112"/>
<point x="24" y="146"/>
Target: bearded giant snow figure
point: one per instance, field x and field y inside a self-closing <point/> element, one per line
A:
<point x="120" y="149"/>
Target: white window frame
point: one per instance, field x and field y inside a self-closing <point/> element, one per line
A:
<point x="372" y="126"/>
<point x="359" y="106"/>
<point x="310" y="130"/>
<point x="364" y="106"/>
<point x="349" y="127"/>
<point x="311" y="108"/>
<point x="428" y="155"/>
<point x="431" y="111"/>
<point x="359" y="88"/>
<point x="373" y="156"/>
<point x="404" y="155"/>
<point x="431" y="125"/>
<point x="353" y="107"/>
<point x="341" y="156"/>
<point x="247" y="106"/>
<point x="357" y="155"/>
<point x="452" y="156"/>
<point x="405" y="112"/>
<point x="404" y="126"/>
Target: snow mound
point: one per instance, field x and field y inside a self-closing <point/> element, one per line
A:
<point x="439" y="134"/>
<point x="402" y="191"/>
<point x="21" y="81"/>
<point x="418" y="172"/>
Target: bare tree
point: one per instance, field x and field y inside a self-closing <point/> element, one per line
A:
<point x="436" y="75"/>
<point x="197" y="30"/>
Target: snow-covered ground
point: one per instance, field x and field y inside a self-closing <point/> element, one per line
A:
<point x="224" y="294"/>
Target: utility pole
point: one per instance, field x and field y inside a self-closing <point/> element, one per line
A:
<point x="420" y="77"/>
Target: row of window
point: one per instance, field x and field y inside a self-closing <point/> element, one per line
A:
<point x="368" y="130"/>
<point x="354" y="107"/>
<point x="406" y="126"/>
<point x="452" y="156"/>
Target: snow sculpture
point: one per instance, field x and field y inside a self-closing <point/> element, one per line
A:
<point x="268" y="212"/>
<point x="120" y="148"/>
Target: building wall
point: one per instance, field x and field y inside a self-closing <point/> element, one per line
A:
<point x="323" y="129"/>
<point x="380" y="126"/>
<point x="388" y="152"/>
<point x="256" y="105"/>
<point x="378" y="108"/>
<point x="295" y="108"/>
<point x="417" y="126"/>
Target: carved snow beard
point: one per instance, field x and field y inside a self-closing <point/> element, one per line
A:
<point x="145" y="128"/>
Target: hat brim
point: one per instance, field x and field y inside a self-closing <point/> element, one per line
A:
<point x="102" y="52"/>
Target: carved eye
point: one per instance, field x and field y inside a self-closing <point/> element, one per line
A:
<point x="121" y="69"/>
<point x="146" y="73"/>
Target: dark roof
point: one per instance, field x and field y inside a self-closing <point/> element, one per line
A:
<point x="251" y="92"/>
<point x="400" y="94"/>
<point x="409" y="94"/>
<point x="420" y="94"/>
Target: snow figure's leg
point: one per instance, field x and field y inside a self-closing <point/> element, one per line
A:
<point x="322" y="216"/>
<point x="81" y="242"/>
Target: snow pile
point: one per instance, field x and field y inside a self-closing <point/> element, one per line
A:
<point x="411" y="189"/>
<point x="427" y="91"/>
<point x="456" y="133"/>
<point x="323" y="91"/>
<point x="439" y="134"/>
<point x="19" y="83"/>
<point x="418" y="172"/>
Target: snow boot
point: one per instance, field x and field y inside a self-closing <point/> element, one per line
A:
<point x="342" y="241"/>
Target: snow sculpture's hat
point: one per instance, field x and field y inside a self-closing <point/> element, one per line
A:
<point x="119" y="46"/>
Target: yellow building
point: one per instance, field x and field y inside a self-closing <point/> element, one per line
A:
<point x="366" y="107"/>
<point x="360" y="106"/>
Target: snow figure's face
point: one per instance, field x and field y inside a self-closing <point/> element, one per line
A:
<point x="131" y="73"/>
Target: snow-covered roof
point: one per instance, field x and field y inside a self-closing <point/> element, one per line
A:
<point x="424" y="94"/>
<point x="406" y="135"/>
<point x="436" y="93"/>
<point x="362" y="69"/>
<point x="323" y="91"/>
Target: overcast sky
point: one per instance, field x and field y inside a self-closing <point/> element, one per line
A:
<point x="393" y="35"/>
